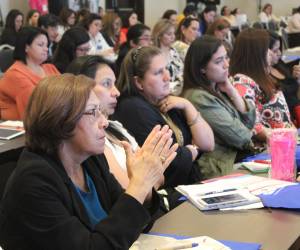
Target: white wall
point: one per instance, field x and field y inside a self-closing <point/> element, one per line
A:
<point x="7" y="5"/>
<point x="155" y="8"/>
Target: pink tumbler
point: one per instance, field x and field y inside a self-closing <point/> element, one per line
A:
<point x="282" y="145"/>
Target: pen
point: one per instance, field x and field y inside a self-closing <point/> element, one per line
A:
<point x="179" y="246"/>
<point x="219" y="191"/>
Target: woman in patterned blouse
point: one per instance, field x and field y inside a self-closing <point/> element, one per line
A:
<point x="163" y="35"/>
<point x="250" y="66"/>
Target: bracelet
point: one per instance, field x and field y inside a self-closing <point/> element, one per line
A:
<point x="195" y="120"/>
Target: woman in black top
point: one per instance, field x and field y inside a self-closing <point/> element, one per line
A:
<point x="13" y="23"/>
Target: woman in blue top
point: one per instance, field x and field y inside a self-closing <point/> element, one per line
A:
<point x="62" y="195"/>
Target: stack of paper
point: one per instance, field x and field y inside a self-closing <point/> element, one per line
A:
<point x="11" y="129"/>
<point x="254" y="184"/>
<point x="152" y="242"/>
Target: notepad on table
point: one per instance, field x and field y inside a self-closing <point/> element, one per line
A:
<point x="11" y="129"/>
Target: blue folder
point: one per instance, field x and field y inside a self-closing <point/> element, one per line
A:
<point x="234" y="245"/>
<point x="286" y="197"/>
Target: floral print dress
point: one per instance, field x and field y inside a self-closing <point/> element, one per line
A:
<point x="271" y="114"/>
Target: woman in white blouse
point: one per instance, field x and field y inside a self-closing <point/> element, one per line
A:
<point x="93" y="24"/>
<point x="100" y="70"/>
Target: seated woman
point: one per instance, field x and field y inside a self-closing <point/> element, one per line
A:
<point x="112" y="24"/>
<point x="21" y="78"/>
<point x="163" y="35"/>
<point x="287" y="80"/>
<point x="93" y="25"/>
<point x="137" y="35"/>
<point x="74" y="43"/>
<point x="186" y="33"/>
<point x="61" y="195"/>
<point x="249" y="66"/>
<point x="13" y="23"/>
<point x="207" y="86"/>
<point x="129" y="20"/>
<point x="146" y="101"/>
<point x="32" y="18"/>
<point x="220" y="28"/>
<point x="101" y="71"/>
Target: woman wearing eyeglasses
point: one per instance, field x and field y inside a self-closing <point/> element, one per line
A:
<point x="62" y="195"/>
<point x="74" y="43"/>
<point x="137" y="35"/>
<point x="146" y="101"/>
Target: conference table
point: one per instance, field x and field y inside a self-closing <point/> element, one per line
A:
<point x="275" y="229"/>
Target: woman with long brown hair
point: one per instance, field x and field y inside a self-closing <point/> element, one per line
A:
<point x="249" y="66"/>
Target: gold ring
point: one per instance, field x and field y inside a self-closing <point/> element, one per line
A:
<point x="162" y="159"/>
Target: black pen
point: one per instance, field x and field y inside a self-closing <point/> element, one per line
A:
<point x="219" y="191"/>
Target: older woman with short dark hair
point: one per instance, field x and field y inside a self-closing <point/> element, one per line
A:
<point x="62" y="195"/>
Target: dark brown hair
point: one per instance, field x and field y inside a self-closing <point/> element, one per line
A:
<point x="198" y="56"/>
<point x="249" y="57"/>
<point x="53" y="110"/>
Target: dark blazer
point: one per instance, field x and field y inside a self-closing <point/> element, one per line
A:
<point x="41" y="208"/>
<point x="139" y="117"/>
<point x="9" y="36"/>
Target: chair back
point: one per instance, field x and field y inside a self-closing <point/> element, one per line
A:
<point x="6" y="59"/>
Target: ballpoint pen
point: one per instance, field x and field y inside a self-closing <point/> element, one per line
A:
<point x="219" y="191"/>
<point x="178" y="246"/>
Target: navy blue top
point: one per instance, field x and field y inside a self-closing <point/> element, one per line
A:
<point x="91" y="201"/>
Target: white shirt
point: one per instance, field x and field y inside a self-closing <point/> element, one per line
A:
<point x="99" y="46"/>
<point x="117" y="150"/>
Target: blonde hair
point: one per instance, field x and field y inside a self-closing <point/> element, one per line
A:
<point x="160" y="28"/>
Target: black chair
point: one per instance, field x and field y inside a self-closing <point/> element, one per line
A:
<point x="6" y="59"/>
<point x="294" y="39"/>
<point x="6" y="170"/>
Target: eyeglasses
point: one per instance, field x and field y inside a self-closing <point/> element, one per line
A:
<point x="82" y="49"/>
<point x="145" y="38"/>
<point x="96" y="112"/>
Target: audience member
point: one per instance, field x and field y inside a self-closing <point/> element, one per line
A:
<point x="207" y="17"/>
<point x="220" y="28"/>
<point x="49" y="23"/>
<point x="226" y="14"/>
<point x="13" y="23"/>
<point x="163" y="35"/>
<point x="98" y="45"/>
<point x="130" y="20"/>
<point x="111" y="29"/>
<point x="231" y="117"/>
<point x="287" y="80"/>
<point x="62" y="195"/>
<point x="32" y="18"/>
<point x="146" y="101"/>
<point x="67" y="20"/>
<point x="266" y="16"/>
<point x="170" y="15"/>
<point x="23" y="76"/>
<point x="74" y="43"/>
<point x="249" y="67"/>
<point x="137" y="35"/>
<point x="187" y="31"/>
<point x="101" y="71"/>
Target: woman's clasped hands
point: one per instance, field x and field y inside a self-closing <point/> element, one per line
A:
<point x="146" y="166"/>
